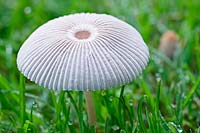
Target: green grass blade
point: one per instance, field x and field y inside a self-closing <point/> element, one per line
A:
<point x="80" y="112"/>
<point x="32" y="109"/>
<point x="147" y="91"/>
<point x="191" y="92"/>
<point x="65" y="110"/>
<point x="158" y="96"/>
<point x="157" y="107"/>
<point x="140" y="118"/>
<point x="106" y="130"/>
<point x="73" y="102"/>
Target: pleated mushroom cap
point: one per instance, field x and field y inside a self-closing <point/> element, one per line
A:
<point x="83" y="51"/>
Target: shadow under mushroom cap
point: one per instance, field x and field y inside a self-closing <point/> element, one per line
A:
<point x="83" y="51"/>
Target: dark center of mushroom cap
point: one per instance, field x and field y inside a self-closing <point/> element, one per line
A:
<point x="82" y="35"/>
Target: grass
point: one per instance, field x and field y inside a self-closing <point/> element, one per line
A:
<point x="164" y="98"/>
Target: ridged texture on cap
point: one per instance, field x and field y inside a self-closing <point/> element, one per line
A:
<point x="113" y="55"/>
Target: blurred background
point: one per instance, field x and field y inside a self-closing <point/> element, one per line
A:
<point x="45" y="111"/>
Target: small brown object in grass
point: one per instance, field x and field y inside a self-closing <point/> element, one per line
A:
<point x="168" y="43"/>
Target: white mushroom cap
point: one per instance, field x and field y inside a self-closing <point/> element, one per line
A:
<point x="83" y="51"/>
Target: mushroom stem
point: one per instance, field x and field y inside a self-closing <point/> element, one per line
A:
<point x="22" y="100"/>
<point x="90" y="108"/>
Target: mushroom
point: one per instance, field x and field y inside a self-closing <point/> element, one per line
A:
<point x="83" y="52"/>
<point x="169" y="43"/>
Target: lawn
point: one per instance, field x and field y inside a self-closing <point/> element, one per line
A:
<point x="164" y="98"/>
